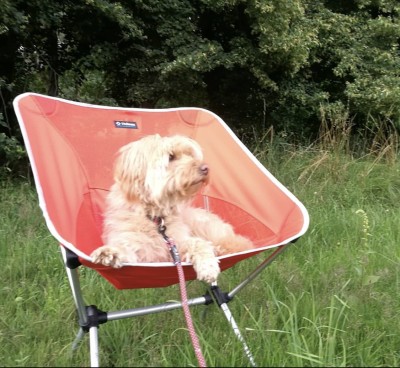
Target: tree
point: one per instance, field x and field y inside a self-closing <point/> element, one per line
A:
<point x="257" y="63"/>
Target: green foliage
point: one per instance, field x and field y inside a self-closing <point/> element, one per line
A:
<point x="258" y="64"/>
<point x="12" y="153"/>
<point x="369" y="64"/>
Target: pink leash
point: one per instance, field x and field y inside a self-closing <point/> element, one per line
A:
<point x="182" y="283"/>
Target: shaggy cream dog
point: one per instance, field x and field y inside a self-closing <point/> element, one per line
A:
<point x="155" y="179"/>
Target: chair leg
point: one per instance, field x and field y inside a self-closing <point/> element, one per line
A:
<point x="78" y="339"/>
<point x="236" y="330"/>
<point x="259" y="269"/>
<point x="74" y="284"/>
<point x="222" y="299"/>
<point x="84" y="314"/>
<point x="94" y="346"/>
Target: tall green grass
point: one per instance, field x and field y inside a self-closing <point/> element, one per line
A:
<point x="332" y="299"/>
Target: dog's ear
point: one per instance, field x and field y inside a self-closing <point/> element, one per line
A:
<point x="157" y="155"/>
<point x="129" y="171"/>
<point x="140" y="169"/>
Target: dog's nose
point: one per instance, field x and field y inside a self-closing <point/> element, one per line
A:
<point x="204" y="169"/>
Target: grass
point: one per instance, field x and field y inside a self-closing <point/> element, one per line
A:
<point x="332" y="299"/>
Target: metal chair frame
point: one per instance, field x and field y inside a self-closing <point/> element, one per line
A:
<point x="90" y="317"/>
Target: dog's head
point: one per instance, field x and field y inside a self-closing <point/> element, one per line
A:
<point x="161" y="171"/>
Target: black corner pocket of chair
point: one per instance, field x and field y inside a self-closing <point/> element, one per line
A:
<point x="72" y="260"/>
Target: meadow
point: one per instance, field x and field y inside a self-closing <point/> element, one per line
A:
<point x="332" y="299"/>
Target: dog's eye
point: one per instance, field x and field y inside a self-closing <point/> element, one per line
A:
<point x="172" y="157"/>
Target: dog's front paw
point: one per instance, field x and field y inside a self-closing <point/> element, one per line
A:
<point x="107" y="256"/>
<point x="208" y="270"/>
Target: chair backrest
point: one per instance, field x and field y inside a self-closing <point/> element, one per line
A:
<point x="72" y="147"/>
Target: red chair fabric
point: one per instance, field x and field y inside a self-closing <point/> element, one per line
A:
<point x="72" y="147"/>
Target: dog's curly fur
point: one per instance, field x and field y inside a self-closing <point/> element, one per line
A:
<point x="156" y="177"/>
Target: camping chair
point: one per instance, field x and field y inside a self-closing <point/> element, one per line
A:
<point x="72" y="146"/>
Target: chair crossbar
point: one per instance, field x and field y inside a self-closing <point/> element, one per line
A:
<point x="165" y="307"/>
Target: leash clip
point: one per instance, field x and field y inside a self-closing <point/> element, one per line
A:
<point x="174" y="253"/>
<point x="171" y="245"/>
<point x="159" y="221"/>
